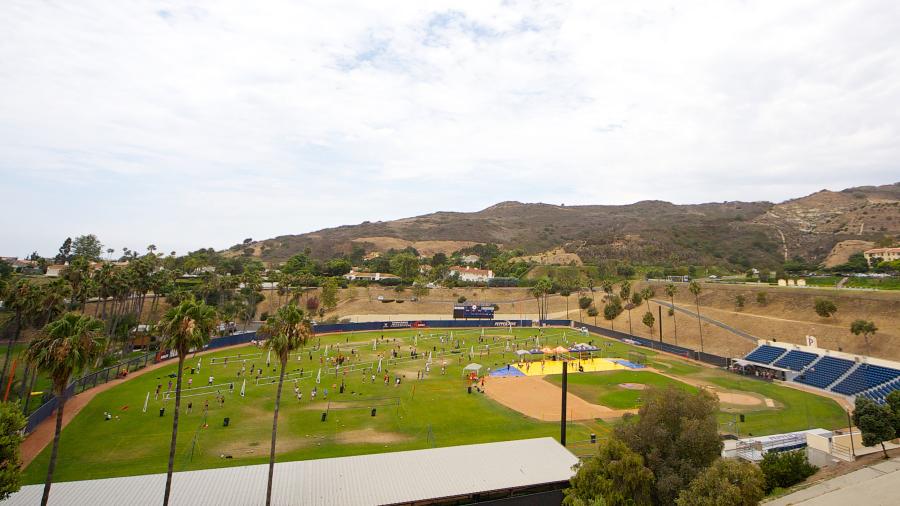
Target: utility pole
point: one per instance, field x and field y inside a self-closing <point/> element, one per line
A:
<point x="660" y="322"/>
<point x="565" y="379"/>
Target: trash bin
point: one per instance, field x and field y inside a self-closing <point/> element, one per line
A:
<point x="470" y="389"/>
<point x="593" y="438"/>
<point x="226" y="421"/>
<point x="192" y="370"/>
<point x="162" y="412"/>
<point x="373" y="411"/>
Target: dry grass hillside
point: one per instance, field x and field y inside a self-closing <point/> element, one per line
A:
<point x="731" y="234"/>
<point x="841" y="251"/>
<point x="788" y="316"/>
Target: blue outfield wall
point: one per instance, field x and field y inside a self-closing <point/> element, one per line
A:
<point x="407" y="324"/>
<point x="221" y="342"/>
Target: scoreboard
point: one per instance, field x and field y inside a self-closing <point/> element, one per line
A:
<point x="473" y="311"/>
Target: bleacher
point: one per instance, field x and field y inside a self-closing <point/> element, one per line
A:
<point x="865" y="376"/>
<point x="765" y="354"/>
<point x="825" y="372"/>
<point x="796" y="360"/>
<point x="843" y="376"/>
<point x="879" y="393"/>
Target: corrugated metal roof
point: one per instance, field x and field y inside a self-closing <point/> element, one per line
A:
<point x="383" y="478"/>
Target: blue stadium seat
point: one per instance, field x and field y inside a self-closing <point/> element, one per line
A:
<point x="765" y="354"/>
<point x="865" y="377"/>
<point x="796" y="360"/>
<point x="825" y="372"/>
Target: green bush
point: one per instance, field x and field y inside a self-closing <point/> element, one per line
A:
<point x="783" y="469"/>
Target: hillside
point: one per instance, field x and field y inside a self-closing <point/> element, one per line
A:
<point x="737" y="234"/>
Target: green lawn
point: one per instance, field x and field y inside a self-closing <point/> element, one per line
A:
<point x="436" y="411"/>
<point x="796" y="409"/>
<point x="823" y="280"/>
<point x="877" y="283"/>
<point x="603" y="387"/>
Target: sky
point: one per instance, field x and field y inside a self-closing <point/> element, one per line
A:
<point x="198" y="124"/>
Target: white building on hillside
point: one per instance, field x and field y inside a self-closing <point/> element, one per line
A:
<point x="884" y="254"/>
<point x="355" y="275"/>
<point x="472" y="274"/>
<point x="470" y="259"/>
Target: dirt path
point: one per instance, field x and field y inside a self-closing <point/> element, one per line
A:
<point x="534" y="397"/>
<point x="42" y="435"/>
<point x="707" y="319"/>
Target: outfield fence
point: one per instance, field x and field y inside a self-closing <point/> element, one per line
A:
<point x="88" y="381"/>
<point x="681" y="351"/>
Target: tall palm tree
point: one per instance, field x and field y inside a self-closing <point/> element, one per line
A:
<point x="671" y="290"/>
<point x="186" y="326"/>
<point x="287" y="330"/>
<point x="695" y="289"/>
<point x="64" y="347"/>
<point x="18" y="299"/>
<point x="607" y="287"/>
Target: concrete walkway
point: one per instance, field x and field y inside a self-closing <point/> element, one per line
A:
<point x="877" y="485"/>
<point x="717" y="323"/>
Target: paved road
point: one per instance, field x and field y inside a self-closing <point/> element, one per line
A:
<point x="870" y="486"/>
<point x="717" y="323"/>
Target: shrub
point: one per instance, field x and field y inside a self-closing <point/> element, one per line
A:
<point x="783" y="469"/>
<point x="825" y="308"/>
<point x="461" y="299"/>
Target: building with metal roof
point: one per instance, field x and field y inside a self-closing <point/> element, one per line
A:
<point x="529" y="471"/>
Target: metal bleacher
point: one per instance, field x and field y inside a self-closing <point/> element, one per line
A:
<point x="796" y="360"/>
<point x="825" y="372"/>
<point x="865" y="377"/>
<point x="839" y="375"/>
<point x="765" y="354"/>
<point x="879" y="393"/>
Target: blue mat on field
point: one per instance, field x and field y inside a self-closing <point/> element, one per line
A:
<point x="627" y="363"/>
<point x="512" y="372"/>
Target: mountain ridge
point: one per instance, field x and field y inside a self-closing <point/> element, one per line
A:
<point x="735" y="233"/>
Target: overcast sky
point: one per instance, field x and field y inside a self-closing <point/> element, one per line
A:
<point x="197" y="124"/>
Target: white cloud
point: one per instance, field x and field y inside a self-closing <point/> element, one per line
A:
<point x="212" y="121"/>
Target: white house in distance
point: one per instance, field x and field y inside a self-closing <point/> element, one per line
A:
<point x="470" y="259"/>
<point x="885" y="254"/>
<point x="55" y="270"/>
<point x="472" y="274"/>
<point x="355" y="275"/>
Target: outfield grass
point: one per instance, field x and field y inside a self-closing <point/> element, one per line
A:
<point x="603" y="387"/>
<point x="436" y="411"/>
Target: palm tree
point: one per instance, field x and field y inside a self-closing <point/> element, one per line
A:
<point x="64" y="347"/>
<point x="287" y="330"/>
<point x="18" y="298"/>
<point x="607" y="287"/>
<point x="695" y="289"/>
<point x="186" y="327"/>
<point x="671" y="290"/>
